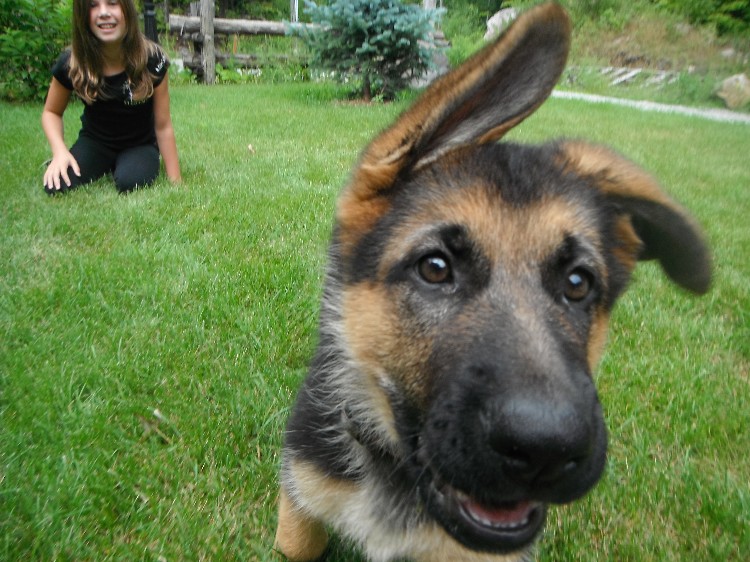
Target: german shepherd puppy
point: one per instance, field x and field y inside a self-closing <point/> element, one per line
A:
<point x="465" y="307"/>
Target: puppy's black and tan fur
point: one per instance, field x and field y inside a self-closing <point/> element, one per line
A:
<point x="466" y="302"/>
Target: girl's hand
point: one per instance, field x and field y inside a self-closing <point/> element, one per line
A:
<point x="57" y="171"/>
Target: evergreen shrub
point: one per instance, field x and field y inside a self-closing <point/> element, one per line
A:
<point x="381" y="45"/>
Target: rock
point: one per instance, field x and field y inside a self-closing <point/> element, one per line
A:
<point x="499" y="21"/>
<point x="440" y="64"/>
<point x="626" y="77"/>
<point x="735" y="91"/>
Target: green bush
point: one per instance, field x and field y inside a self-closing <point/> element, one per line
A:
<point x="464" y="28"/>
<point x="732" y="17"/>
<point x="728" y="16"/>
<point x="28" y="53"/>
<point x="697" y="11"/>
<point x="379" y="44"/>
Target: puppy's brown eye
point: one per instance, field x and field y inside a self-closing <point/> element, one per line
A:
<point x="434" y="269"/>
<point x="578" y="285"/>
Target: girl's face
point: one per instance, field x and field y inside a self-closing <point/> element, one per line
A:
<point x="106" y="20"/>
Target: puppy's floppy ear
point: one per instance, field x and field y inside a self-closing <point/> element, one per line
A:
<point x="667" y="232"/>
<point x="477" y="102"/>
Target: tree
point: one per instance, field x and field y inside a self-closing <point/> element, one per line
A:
<point x="381" y="44"/>
<point x="28" y="53"/>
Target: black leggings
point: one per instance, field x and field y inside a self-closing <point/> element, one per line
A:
<point x="131" y="168"/>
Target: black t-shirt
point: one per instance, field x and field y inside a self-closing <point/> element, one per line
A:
<point x="117" y="121"/>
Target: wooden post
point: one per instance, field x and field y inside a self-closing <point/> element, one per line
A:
<point x="294" y="9"/>
<point x="149" y="21"/>
<point x="207" y="31"/>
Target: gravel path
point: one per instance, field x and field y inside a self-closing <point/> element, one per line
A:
<point x="723" y="115"/>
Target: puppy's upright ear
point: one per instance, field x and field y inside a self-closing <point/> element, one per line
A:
<point x="477" y="102"/>
<point x="665" y="230"/>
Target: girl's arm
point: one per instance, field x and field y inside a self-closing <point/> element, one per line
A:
<point x="52" y="123"/>
<point x="164" y="132"/>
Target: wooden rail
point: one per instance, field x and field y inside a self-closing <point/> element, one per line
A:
<point x="191" y="24"/>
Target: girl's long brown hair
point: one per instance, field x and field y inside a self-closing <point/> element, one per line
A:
<point x="86" y="61"/>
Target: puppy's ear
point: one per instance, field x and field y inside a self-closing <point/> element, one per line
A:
<point x="666" y="231"/>
<point x="475" y="103"/>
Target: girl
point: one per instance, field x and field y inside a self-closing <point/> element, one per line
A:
<point x="122" y="78"/>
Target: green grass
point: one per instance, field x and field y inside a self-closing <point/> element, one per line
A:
<point x="152" y="343"/>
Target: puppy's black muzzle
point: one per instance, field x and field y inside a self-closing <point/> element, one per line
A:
<point x="506" y="434"/>
<point x="501" y="439"/>
<point x="552" y="446"/>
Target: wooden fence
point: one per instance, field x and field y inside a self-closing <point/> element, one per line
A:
<point x="201" y="32"/>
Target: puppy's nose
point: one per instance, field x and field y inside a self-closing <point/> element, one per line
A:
<point x="539" y="441"/>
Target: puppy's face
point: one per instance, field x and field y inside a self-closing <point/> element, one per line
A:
<point x="477" y="305"/>
<point x="471" y="287"/>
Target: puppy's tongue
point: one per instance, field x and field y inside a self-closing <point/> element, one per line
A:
<point x="510" y="516"/>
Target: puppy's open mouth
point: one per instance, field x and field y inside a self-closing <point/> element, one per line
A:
<point x="489" y="523"/>
<point x="509" y="517"/>
<point x="500" y="526"/>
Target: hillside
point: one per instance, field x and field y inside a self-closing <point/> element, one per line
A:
<point x="675" y="61"/>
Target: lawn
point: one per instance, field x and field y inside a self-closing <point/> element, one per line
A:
<point x="152" y="343"/>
